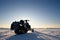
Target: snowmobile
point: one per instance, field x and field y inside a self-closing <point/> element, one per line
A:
<point x="21" y="27"/>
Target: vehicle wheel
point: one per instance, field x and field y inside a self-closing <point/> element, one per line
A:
<point x="25" y="31"/>
<point x="20" y="31"/>
<point x="32" y="30"/>
<point x="17" y="31"/>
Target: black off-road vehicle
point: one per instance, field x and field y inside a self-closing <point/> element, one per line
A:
<point x="21" y="27"/>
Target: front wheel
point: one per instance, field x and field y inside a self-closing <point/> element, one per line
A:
<point x="17" y="31"/>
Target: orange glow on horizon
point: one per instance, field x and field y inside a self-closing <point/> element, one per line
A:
<point x="34" y="26"/>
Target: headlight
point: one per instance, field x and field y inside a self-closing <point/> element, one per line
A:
<point x="21" y="25"/>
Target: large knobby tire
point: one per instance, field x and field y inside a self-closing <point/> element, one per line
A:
<point x="17" y="31"/>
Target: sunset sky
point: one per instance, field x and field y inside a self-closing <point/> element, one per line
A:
<point x="41" y="13"/>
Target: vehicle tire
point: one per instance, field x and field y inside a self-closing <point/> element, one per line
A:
<point x="32" y="30"/>
<point x="25" y="31"/>
<point x="17" y="31"/>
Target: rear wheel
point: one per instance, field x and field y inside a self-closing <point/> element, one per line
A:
<point x="32" y="30"/>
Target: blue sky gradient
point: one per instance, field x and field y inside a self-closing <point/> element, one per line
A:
<point x="39" y="12"/>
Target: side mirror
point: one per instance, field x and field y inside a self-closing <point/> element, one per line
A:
<point x="26" y="20"/>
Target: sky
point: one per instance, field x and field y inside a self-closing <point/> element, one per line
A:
<point x="41" y="13"/>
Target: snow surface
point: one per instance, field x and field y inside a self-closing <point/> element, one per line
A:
<point x="38" y="34"/>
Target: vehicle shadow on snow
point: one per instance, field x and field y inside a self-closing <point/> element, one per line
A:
<point x="33" y="36"/>
<point x="27" y="36"/>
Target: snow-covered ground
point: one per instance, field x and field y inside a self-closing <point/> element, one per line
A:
<point x="38" y="34"/>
